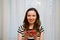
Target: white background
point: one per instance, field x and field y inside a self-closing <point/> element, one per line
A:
<point x="12" y="13"/>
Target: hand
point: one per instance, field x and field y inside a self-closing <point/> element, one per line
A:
<point x="32" y="32"/>
<point x="26" y="35"/>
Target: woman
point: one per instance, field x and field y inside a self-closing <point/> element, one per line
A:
<point x="31" y="28"/>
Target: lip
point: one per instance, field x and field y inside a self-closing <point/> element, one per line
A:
<point x="31" y="20"/>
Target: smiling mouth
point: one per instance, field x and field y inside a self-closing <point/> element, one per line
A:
<point x="31" y="20"/>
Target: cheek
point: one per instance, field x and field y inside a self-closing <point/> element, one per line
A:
<point x="34" y="18"/>
<point x="28" y="18"/>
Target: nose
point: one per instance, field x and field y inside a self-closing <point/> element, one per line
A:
<point x="31" y="17"/>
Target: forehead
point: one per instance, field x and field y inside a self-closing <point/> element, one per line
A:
<point x="32" y="12"/>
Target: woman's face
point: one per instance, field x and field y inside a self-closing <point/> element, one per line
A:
<point x="31" y="17"/>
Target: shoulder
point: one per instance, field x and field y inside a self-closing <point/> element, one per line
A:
<point x="20" y="29"/>
<point x="41" y="28"/>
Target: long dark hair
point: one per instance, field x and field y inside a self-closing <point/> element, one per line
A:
<point x="37" y="23"/>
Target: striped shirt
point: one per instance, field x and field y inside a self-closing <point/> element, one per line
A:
<point x="21" y="31"/>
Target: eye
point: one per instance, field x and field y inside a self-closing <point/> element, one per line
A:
<point x="34" y="15"/>
<point x="28" y="15"/>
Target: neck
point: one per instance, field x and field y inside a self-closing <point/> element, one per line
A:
<point x="31" y="26"/>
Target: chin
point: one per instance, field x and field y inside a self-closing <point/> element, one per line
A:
<point x="31" y="22"/>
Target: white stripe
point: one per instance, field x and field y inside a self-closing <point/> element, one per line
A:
<point x="30" y="38"/>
